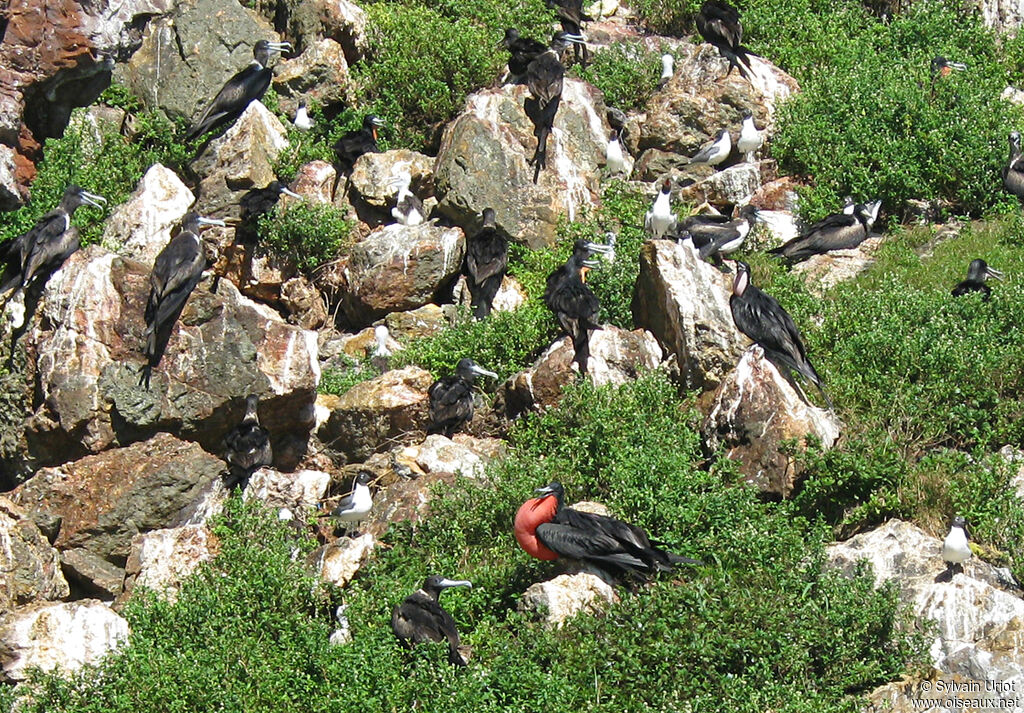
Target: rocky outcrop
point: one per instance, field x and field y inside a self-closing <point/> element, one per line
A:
<point x="567" y="595"/>
<point x="483" y="162"/>
<point x="824" y="271"/>
<point x="407" y="499"/>
<point x="161" y="560"/>
<point x="141" y="227"/>
<point x="463" y="455"/>
<point x="29" y="565"/>
<point x="616" y="356"/>
<point x="977" y="615"/>
<point x="339" y="561"/>
<point x="88" y="336"/>
<point x="315" y="181"/>
<point x="378" y="412"/>
<point x="298" y="492"/>
<point x="753" y="415"/>
<point x="320" y="73"/>
<point x="49" y="636"/>
<point x="1002" y="15"/>
<point x="684" y="302"/>
<point x="371" y="183"/>
<point x="398" y="268"/>
<point x="423" y="321"/>
<point x="731" y="186"/>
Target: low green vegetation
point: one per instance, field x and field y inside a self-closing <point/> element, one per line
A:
<point x="338" y="380"/>
<point x="626" y="72"/>
<point x="310" y="234"/>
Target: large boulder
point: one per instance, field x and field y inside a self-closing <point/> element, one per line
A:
<point x="296" y="492"/>
<point x="62" y="636"/>
<point x="29" y="565"/>
<point x="754" y="416"/>
<point x="398" y="268"/>
<point x="87" y="338"/>
<point x="371" y="181"/>
<point x="974" y="619"/>
<point x="162" y="559"/>
<point x="320" y="72"/>
<point x="684" y="302"/>
<point x="483" y="162"/>
<point x="141" y="227"/>
<point x="824" y="271"/>
<point x="567" y="595"/>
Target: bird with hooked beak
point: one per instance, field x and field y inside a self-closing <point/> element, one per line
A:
<point x="421" y="618"/>
<point x="451" y="397"/>
<point x="575" y="305"/>
<point x="977" y="273"/>
<point x="355" y="143"/>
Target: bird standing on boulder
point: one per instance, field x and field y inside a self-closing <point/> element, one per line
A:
<point x="176" y="272"/>
<point x="451" y="397"/>
<point x="955" y="548"/>
<point x="544" y="77"/>
<point x="718" y="23"/>
<point x="660" y="219"/>
<point x="762" y="318"/>
<point x="302" y="120"/>
<point x="247" y="86"/>
<point x="750" y="138"/>
<point x="355" y="143"/>
<point x="615" y="157"/>
<point x="354" y="507"/>
<point x="977" y="273"/>
<point x="408" y="208"/>
<point x="715" y="151"/>
<point x="247" y="446"/>
<point x="667" y="70"/>
<point x="486" y="263"/>
<point x="420" y="618"/>
<point x="573" y="302"/>
<point x="1013" y="171"/>
<point x="547" y="530"/>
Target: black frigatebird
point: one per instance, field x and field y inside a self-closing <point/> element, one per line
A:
<point x="544" y="77"/>
<point x="420" y="618"/>
<point x="247" y="446"/>
<point x="355" y="143"/>
<point x="176" y="272"/>
<point x="571" y="16"/>
<point x="718" y="23"/>
<point x="839" y="231"/>
<point x="259" y="201"/>
<point x="451" y="397"/>
<point x="762" y="318"/>
<point x="486" y="262"/>
<point x="1013" y="171"/>
<point x="573" y="302"/>
<point x="522" y="51"/>
<point x="977" y="273"/>
<point x="547" y="530"/>
<point x="247" y="86"/>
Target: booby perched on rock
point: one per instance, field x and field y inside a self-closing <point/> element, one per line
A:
<point x="176" y="272"/>
<point x="716" y="151"/>
<point x="839" y="231"/>
<point x="302" y="120"/>
<point x="977" y="273"/>
<point x="408" y="208"/>
<point x="486" y="263"/>
<point x="1013" y="171"/>
<point x="355" y="506"/>
<point x="247" y="446"/>
<point x="355" y="143"/>
<point x="660" y="219"/>
<point x="522" y="51"/>
<point x="573" y="302"/>
<point x="451" y="397"/>
<point x="714" y="238"/>
<point x="750" y="138"/>
<point x="667" y="69"/>
<point x="420" y="618"/>
<point x="544" y="77"/>
<point x="547" y="530"/>
<point x="718" y="23"/>
<point x="955" y="548"/>
<point x="762" y="318"/>
<point x="615" y="157"/>
<point x="248" y="85"/>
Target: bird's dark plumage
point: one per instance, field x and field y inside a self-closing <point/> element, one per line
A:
<point x="718" y="23"/>
<point x="246" y="86"/>
<point x="355" y="143"/>
<point x="259" y="201"/>
<point x="421" y="618"/>
<point x="977" y="273"/>
<point x="1013" y="171"/>
<point x="486" y="262"/>
<point x="573" y="302"/>
<point x="522" y="51"/>
<point x="839" y="231"/>
<point x="571" y="16"/>
<point x="544" y="77"/>
<point x="247" y="445"/>
<point x="762" y="318"/>
<point x="451" y="397"/>
<point x="714" y="238"/>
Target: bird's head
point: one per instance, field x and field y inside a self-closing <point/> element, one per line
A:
<point x="469" y="370"/>
<point x="371" y="123"/>
<point x="264" y="49"/>
<point x="742" y="280"/>
<point x="435" y="584"/>
<point x="75" y="196"/>
<point x="488" y="218"/>
<point x="282" y="190"/>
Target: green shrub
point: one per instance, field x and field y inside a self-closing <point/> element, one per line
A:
<point x="667" y="17"/>
<point x="310" y="234"/>
<point x="338" y="381"/>
<point x="626" y="72"/>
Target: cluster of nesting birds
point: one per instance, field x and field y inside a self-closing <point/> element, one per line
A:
<point x="544" y="527"/>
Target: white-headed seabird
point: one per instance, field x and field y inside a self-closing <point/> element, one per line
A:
<point x="302" y="120"/>
<point x="408" y="208"/>
<point x="667" y="69"/>
<point x="715" y="151"/>
<point x="660" y="219"/>
<point x="1013" y="171"/>
<point x="839" y="231"/>
<point x="420" y="618"/>
<point x="750" y="138"/>
<point x="575" y="305"/>
<point x="714" y="238"/>
<point x="354" y="507"/>
<point x="615" y="157"/>
<point x="955" y="548"/>
<point x="451" y="397"/>
<point x="977" y="273"/>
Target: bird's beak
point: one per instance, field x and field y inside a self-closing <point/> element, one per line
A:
<point x="446" y="583"/>
<point x="93" y="199"/>
<point x="480" y="371"/>
<point x="960" y="66"/>
<point x="992" y="272"/>
<point x="378" y="122"/>
<point x="289" y="192"/>
<point x="546" y="490"/>
<point x="598" y="248"/>
<point x="281" y="46"/>
<point x="576" y="39"/>
<point x="211" y="221"/>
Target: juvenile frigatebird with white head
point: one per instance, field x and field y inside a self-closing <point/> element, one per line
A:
<point x="667" y="69"/>
<point x="544" y="78"/>
<point x="486" y="264"/>
<point x="247" y="86"/>
<point x="750" y="138"/>
<point x="714" y="238"/>
<point x="1013" y="171"/>
<point x="451" y="397"/>
<point x="575" y="305"/>
<point x="718" y="23"/>
<point x="408" y="208"/>
<point x="355" y="143"/>
<point x="977" y="273"/>
<point x="354" y="507"/>
<point x="420" y="618"/>
<point x="176" y="272"/>
<point x="547" y="530"/>
<point x="715" y="151"/>
<point x="839" y="231"/>
<point x="759" y="316"/>
<point x="660" y="219"/>
<point x="247" y="446"/>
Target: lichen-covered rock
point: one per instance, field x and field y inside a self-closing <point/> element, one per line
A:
<point x="440" y="454"/>
<point x="408" y="499"/>
<point x="141" y="227"/>
<point x="616" y="356"/>
<point x="61" y="636"/>
<point x="320" y="72"/>
<point x="733" y="185"/>
<point x="754" y="413"/>
<point x="567" y="595"/>
<point x="1002" y="15"/>
<point x="378" y="412"/>
<point x="824" y="271"/>
<point x="304" y="303"/>
<point x="977" y="615"/>
<point x="339" y="561"/>
<point x="10" y="192"/>
<point x="29" y="565"/>
<point x="510" y="295"/>
<point x="398" y="268"/>
<point x="684" y="302"/>
<point x="373" y="174"/>
<point x="315" y="181"/>
<point x="87" y="338"/>
<point x="298" y="492"/>
<point x="162" y="559"/>
<point x="483" y="162"/>
<point x="420" y="322"/>
<point x="91" y="575"/>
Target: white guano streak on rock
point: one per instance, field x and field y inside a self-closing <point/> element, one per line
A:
<point x="449" y="242"/>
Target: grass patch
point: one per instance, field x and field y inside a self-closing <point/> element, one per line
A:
<point x="310" y="234"/>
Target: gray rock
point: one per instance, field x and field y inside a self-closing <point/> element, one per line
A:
<point x="398" y="268"/>
<point x="733" y="185"/>
<point x="315" y="181"/>
<point x="423" y="321"/>
<point x="510" y="296"/>
<point x="305" y="305"/>
<point x="567" y="595"/>
<point x="684" y="302"/>
<point x="29" y="566"/>
<point x="141" y="228"/>
<point x="1002" y="15"/>
<point x="299" y="491"/>
<point x="88" y="572"/>
<point x="755" y="415"/>
<point x="162" y="559"/>
<point x="483" y="162"/>
<point x="320" y="72"/>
